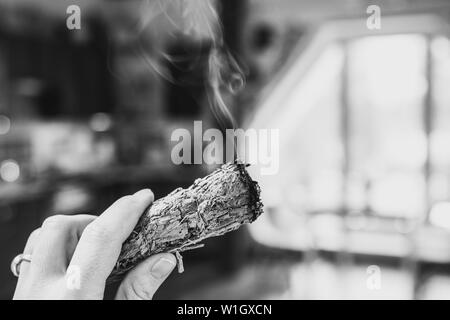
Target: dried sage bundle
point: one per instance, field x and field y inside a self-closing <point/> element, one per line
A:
<point x="214" y="205"/>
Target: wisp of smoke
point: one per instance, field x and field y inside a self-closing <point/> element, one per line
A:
<point x="199" y="18"/>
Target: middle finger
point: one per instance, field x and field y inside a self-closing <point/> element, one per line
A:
<point x="56" y="243"/>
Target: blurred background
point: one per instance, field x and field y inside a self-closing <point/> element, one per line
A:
<point x="360" y="208"/>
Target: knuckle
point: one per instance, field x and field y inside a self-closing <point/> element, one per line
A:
<point x="34" y="234"/>
<point x="32" y="239"/>
<point x="125" y="202"/>
<point x="97" y="232"/>
<point x="140" y="291"/>
<point x="128" y="202"/>
<point x="56" y="221"/>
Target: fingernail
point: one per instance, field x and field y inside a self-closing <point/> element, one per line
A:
<point x="144" y="194"/>
<point x="162" y="268"/>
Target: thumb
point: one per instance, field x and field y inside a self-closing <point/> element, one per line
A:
<point x="142" y="282"/>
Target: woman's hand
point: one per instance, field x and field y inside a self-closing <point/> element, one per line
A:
<point x="72" y="256"/>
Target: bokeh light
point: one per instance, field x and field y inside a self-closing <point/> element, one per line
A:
<point x="9" y="171"/>
<point x="5" y="124"/>
<point x="101" y="122"/>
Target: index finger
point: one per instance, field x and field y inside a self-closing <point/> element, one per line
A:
<point x="99" y="247"/>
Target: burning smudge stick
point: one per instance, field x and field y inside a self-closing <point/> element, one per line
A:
<point x="214" y="205"/>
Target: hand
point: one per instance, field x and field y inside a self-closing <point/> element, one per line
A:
<point x="72" y="256"/>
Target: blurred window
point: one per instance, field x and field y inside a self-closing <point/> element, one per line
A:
<point x="319" y="140"/>
<point x="374" y="132"/>
<point x="387" y="84"/>
<point x="440" y="132"/>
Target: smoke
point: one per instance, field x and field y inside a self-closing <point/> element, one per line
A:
<point x="198" y="19"/>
